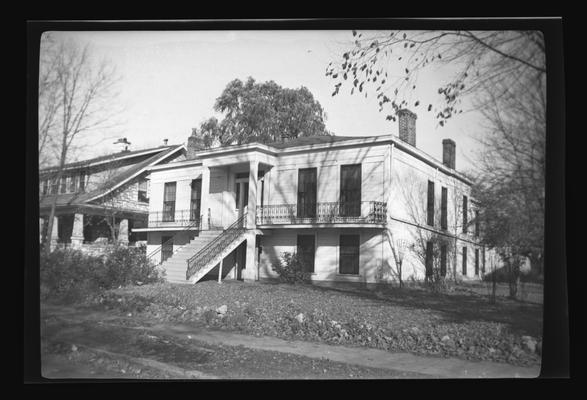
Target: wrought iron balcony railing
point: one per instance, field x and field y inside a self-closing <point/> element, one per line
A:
<point x="367" y="212"/>
<point x="159" y="219"/>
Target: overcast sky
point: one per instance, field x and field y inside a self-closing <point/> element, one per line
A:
<point x="170" y="81"/>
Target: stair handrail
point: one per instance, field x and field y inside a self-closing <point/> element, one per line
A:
<point x="208" y="252"/>
<point x="197" y="223"/>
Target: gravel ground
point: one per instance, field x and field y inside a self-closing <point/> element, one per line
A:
<point x="461" y="324"/>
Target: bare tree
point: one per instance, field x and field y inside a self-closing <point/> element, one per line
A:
<point x="77" y="98"/>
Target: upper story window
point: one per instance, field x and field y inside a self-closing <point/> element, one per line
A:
<point x="63" y="186"/>
<point x="72" y="183"/>
<point x="195" y="201"/>
<point x="169" y="201"/>
<point x="465" y="216"/>
<point x="430" y="204"/>
<point x="350" y="190"/>
<point x="82" y="181"/>
<point x="307" y="192"/>
<point x="476" y="223"/>
<point x="142" y="192"/>
<point x="45" y="189"/>
<point x="443" y="209"/>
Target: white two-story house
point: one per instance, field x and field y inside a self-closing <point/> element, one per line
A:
<point x="348" y="206"/>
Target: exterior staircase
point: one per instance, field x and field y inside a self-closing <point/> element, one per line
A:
<point x="176" y="265"/>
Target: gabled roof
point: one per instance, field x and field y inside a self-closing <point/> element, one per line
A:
<point x="111" y="158"/>
<point x="115" y="182"/>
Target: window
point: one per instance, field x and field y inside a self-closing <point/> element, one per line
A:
<point x="429" y="258"/>
<point x="443" y="209"/>
<point x="54" y="185"/>
<point x="142" y="196"/>
<point x="307" y="193"/>
<point x="63" y="187"/>
<point x="476" y="262"/>
<point x="443" y="260"/>
<point x="306" y="251"/>
<point x="73" y="184"/>
<point x="350" y="190"/>
<point x="476" y="223"/>
<point x="244" y="194"/>
<point x="169" y="202"/>
<point x="166" y="247"/>
<point x="465" y="217"/>
<point x="483" y="260"/>
<point x="464" y="261"/>
<point x="430" y="206"/>
<point x="195" y="199"/>
<point x="82" y="181"/>
<point x="349" y="254"/>
<point x="45" y="186"/>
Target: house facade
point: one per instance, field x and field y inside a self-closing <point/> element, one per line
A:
<point x="101" y="199"/>
<point x="350" y="207"/>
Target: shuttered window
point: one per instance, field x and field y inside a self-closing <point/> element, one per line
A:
<point x="430" y="206"/>
<point x="429" y="258"/>
<point x="350" y="190"/>
<point x="169" y="201"/>
<point x="443" y="260"/>
<point x="306" y="250"/>
<point x="195" y="199"/>
<point x="465" y="216"/>
<point x="349" y="254"/>
<point x="443" y="209"/>
<point x="307" y="193"/>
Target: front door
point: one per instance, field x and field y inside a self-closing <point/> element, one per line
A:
<point x="166" y="248"/>
<point x="242" y="195"/>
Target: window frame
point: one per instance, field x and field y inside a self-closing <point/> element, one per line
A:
<point x="168" y="213"/>
<point x="465" y="214"/>
<point x="444" y="208"/>
<point x="352" y="207"/>
<point x="430" y="204"/>
<point x="307" y="209"/>
<point x="356" y="270"/>
<point x="464" y="261"/>
<point x="145" y="193"/>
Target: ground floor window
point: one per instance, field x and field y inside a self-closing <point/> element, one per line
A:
<point x="166" y="247"/>
<point x="464" y="261"/>
<point x="429" y="259"/>
<point x="477" y="262"/>
<point x="349" y="254"/>
<point x="306" y="250"/>
<point x="443" y="260"/>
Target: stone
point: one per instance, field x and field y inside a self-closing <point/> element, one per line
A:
<point x="445" y="338"/>
<point x="73" y="347"/>
<point x="300" y="317"/>
<point x="529" y="343"/>
<point x="222" y="309"/>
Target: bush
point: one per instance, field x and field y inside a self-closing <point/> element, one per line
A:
<point x="127" y="266"/>
<point x="290" y="269"/>
<point x="70" y="275"/>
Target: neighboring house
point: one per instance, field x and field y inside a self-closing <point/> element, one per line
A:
<point x="340" y="203"/>
<point x="100" y="196"/>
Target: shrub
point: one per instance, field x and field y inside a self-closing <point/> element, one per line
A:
<point x="70" y="275"/>
<point x="290" y="269"/>
<point x="66" y="274"/>
<point x="127" y="266"/>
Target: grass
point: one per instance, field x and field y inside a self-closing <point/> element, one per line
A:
<point x="394" y="319"/>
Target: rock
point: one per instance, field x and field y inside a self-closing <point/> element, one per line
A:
<point x="73" y="347"/>
<point x="129" y="315"/>
<point x="445" y="338"/>
<point x="222" y="309"/>
<point x="300" y="317"/>
<point x="529" y="343"/>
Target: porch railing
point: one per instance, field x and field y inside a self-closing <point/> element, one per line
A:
<point x="370" y="212"/>
<point x="159" y="219"/>
<point x="216" y="246"/>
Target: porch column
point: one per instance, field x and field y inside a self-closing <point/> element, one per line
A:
<point x="41" y="224"/>
<point x="204" y="202"/>
<point x="77" y="234"/>
<point x="123" y="232"/>
<point x="250" y="271"/>
<point x="55" y="233"/>
<point x="252" y="206"/>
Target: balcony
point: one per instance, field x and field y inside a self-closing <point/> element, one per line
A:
<point x="329" y="213"/>
<point x="176" y="219"/>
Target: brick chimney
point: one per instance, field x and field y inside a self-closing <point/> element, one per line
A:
<point x="448" y="153"/>
<point x="407" y="126"/>
<point x="195" y="144"/>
